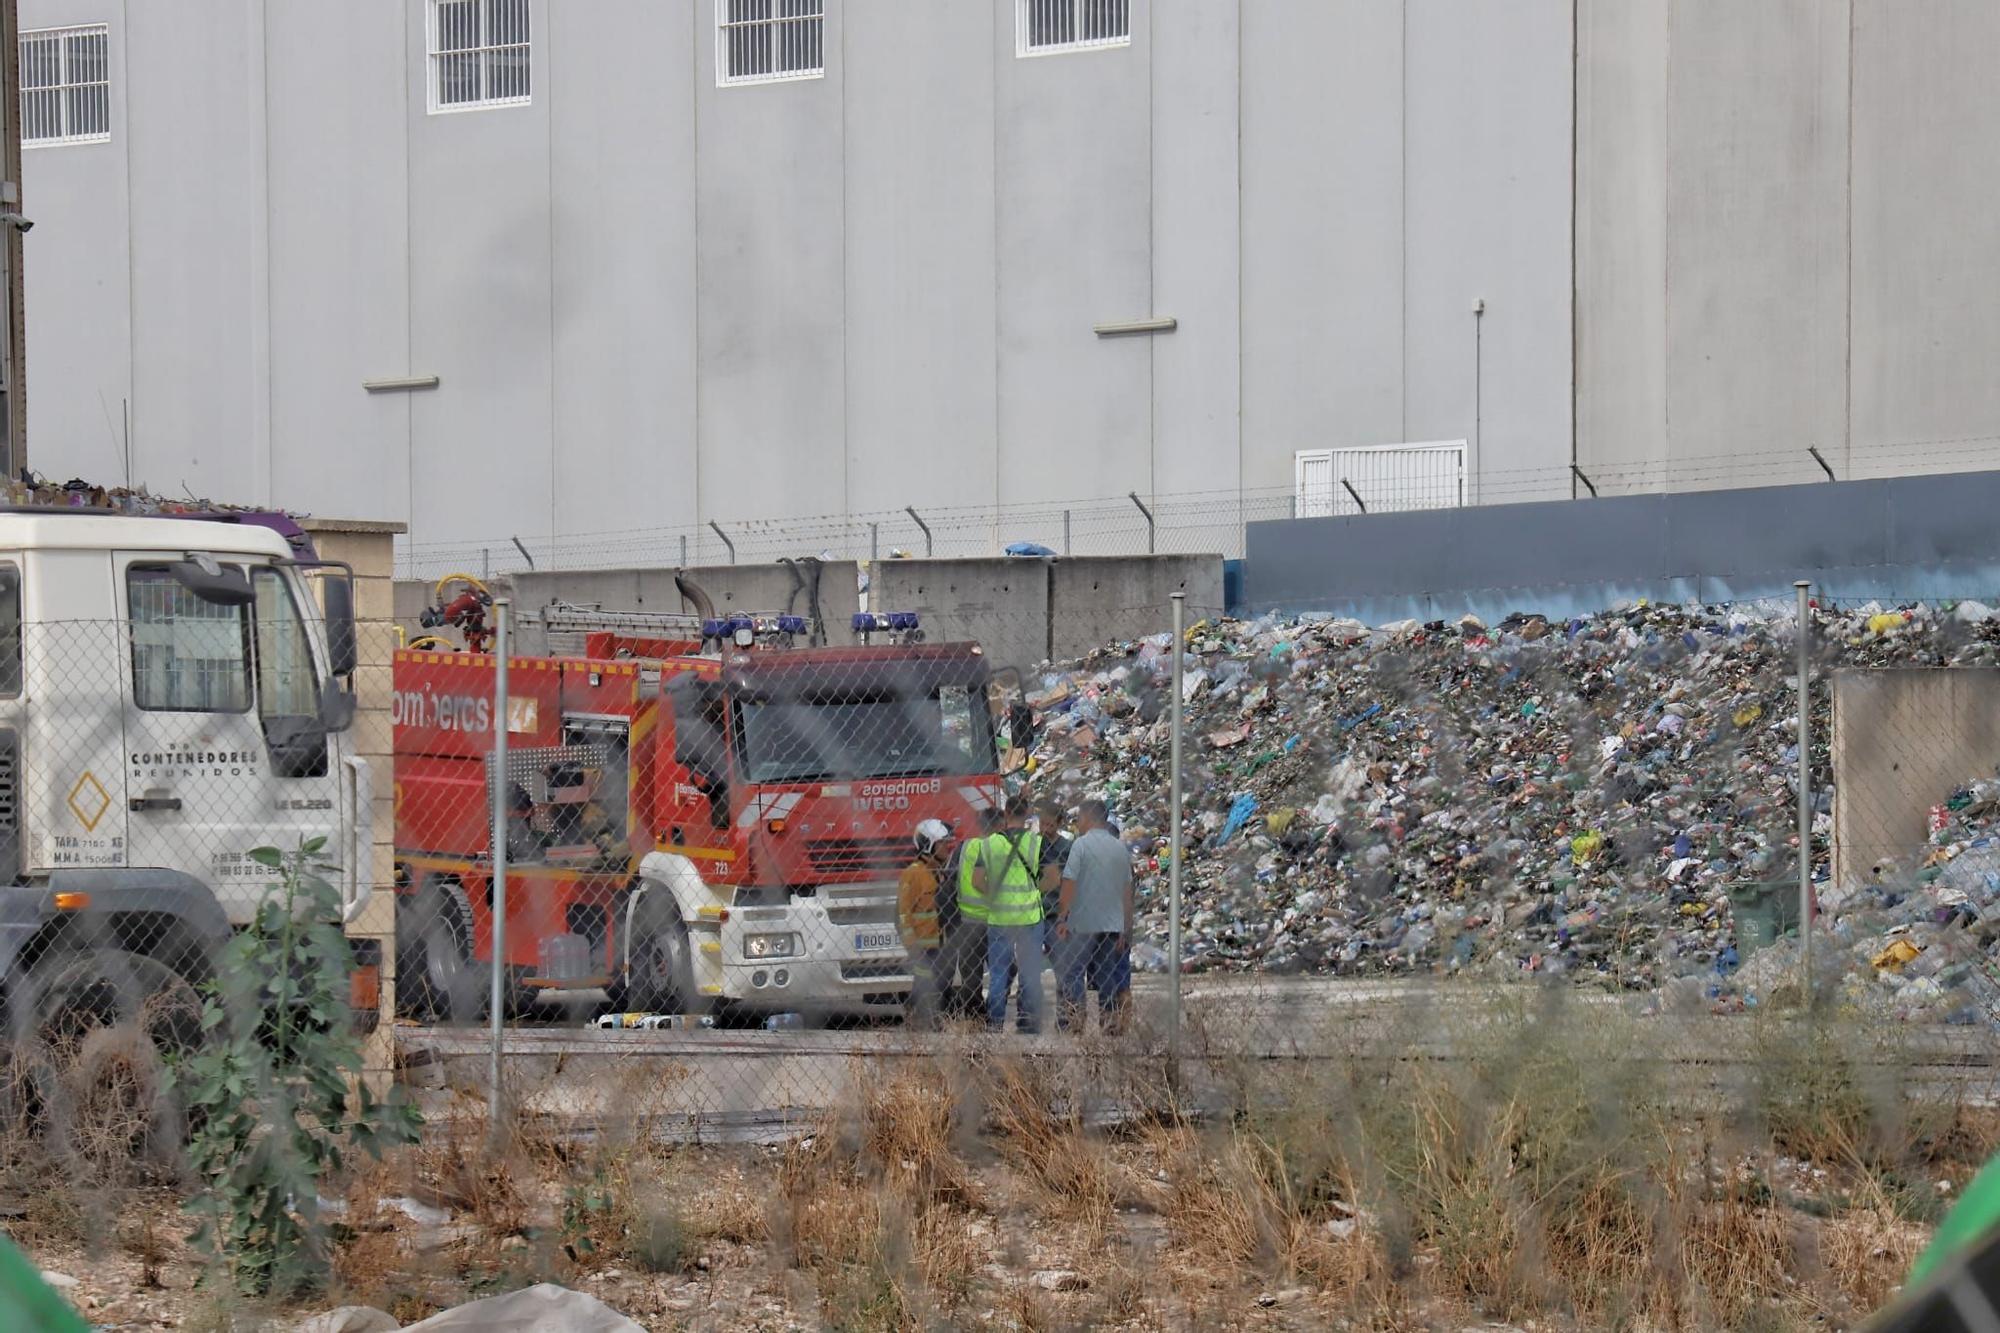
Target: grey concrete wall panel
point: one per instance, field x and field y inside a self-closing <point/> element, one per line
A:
<point x="1778" y="531"/>
<point x="199" y="313"/>
<point x="1001" y="604"/>
<point x="1892" y="539"/>
<point x="768" y="184"/>
<point x="1903" y="741"/>
<point x="1926" y="324"/>
<point x="1094" y="601"/>
<point x="1197" y="435"/>
<point x="78" y="299"/>
<point x="1621" y="237"/>
<point x="1486" y="216"/>
<point x="1073" y="175"/>
<point x="920" y="260"/>
<point x="340" y="259"/>
<point x="622" y="243"/>
<point x="1936" y="520"/>
<point x="1757" y="242"/>
<point x="482" y="443"/>
<point x="732" y="588"/>
<point x="1322" y="210"/>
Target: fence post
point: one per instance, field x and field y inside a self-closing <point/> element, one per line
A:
<point x="684" y="551"/>
<point x="725" y="540"/>
<point x="929" y="547"/>
<point x="1805" y="789"/>
<point x="1134" y="497"/>
<point x="1174" y="843"/>
<point x="874" y="542"/>
<point x="502" y="628"/>
<point x="1066" y="549"/>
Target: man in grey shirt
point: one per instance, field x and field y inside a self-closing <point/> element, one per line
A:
<point x="1094" y="925"/>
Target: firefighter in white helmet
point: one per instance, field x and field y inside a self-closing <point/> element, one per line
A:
<point x="917" y="917"/>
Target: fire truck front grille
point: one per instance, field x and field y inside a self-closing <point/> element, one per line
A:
<point x="874" y="972"/>
<point x="846" y="856"/>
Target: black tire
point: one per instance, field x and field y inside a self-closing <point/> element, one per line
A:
<point x="435" y="978"/>
<point x="661" y="977"/>
<point x="73" y="991"/>
<point x="107" y="1022"/>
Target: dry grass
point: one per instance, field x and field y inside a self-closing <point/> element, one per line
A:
<point x="1554" y="1172"/>
<point x="1041" y="1133"/>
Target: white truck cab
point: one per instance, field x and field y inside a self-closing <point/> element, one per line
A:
<point x="171" y="697"/>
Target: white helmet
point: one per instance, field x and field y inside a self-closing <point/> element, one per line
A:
<point x="931" y="835"/>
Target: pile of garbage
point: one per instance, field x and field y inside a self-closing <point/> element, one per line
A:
<point x="1590" y="797"/>
<point x="1917" y="939"/>
<point x="76" y="493"/>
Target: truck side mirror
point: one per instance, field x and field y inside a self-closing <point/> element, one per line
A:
<point x="343" y="654"/>
<point x="336" y="710"/>
<point x="222" y="585"/>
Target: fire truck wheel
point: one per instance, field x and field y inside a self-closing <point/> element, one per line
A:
<point x="663" y="971"/>
<point x="434" y="957"/>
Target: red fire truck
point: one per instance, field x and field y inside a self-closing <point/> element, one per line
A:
<point x="699" y="812"/>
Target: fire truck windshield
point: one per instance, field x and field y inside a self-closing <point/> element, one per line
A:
<point x="871" y="736"/>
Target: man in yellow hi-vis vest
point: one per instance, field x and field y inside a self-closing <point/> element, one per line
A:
<point x="962" y="924"/>
<point x="1007" y="880"/>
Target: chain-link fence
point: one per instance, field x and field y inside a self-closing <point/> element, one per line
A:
<point x="678" y="879"/>
<point x="1143" y="521"/>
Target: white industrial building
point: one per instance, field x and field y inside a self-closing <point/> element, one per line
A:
<point x="592" y="273"/>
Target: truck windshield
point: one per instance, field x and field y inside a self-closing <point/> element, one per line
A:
<point x="874" y="736"/>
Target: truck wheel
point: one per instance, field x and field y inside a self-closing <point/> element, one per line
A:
<point x="107" y="1022"/>
<point x="434" y="974"/>
<point x="662" y="979"/>
<point x="73" y="992"/>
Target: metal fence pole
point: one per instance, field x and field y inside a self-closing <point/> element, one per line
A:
<point x="1174" y="837"/>
<point x="1805" y="788"/>
<point x="874" y="542"/>
<point x="728" y="544"/>
<point x="502" y="615"/>
<point x="930" y="548"/>
<point x="1134" y="497"/>
<point x="1066" y="550"/>
<point x="684" y="550"/>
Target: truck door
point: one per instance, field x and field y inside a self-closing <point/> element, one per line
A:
<point x="225" y="749"/>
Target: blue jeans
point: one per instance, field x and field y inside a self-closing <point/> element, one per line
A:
<point x="1092" y="961"/>
<point x="1012" y="950"/>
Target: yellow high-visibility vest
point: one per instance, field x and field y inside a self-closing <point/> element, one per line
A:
<point x="1017" y="899"/>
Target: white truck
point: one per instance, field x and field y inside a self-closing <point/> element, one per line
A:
<point x="173" y="694"/>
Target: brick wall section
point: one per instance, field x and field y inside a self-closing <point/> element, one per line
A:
<point x="369" y="548"/>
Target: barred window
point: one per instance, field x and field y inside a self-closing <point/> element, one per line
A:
<point x="66" y="85"/>
<point x="762" y="41"/>
<point x="1048" y="26"/>
<point x="479" y="54"/>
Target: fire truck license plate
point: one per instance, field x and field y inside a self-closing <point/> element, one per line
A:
<point x="876" y="939"/>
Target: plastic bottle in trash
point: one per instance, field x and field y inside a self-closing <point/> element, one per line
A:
<point x="785" y="1023"/>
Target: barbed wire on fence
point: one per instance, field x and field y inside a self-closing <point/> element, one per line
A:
<point x="1208" y="522"/>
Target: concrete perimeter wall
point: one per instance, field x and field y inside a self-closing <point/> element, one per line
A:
<point x="1903" y="740"/>
<point x="1902" y="538"/>
<point x="1023" y="611"/>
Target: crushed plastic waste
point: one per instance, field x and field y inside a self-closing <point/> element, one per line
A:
<point x="1544" y="796"/>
